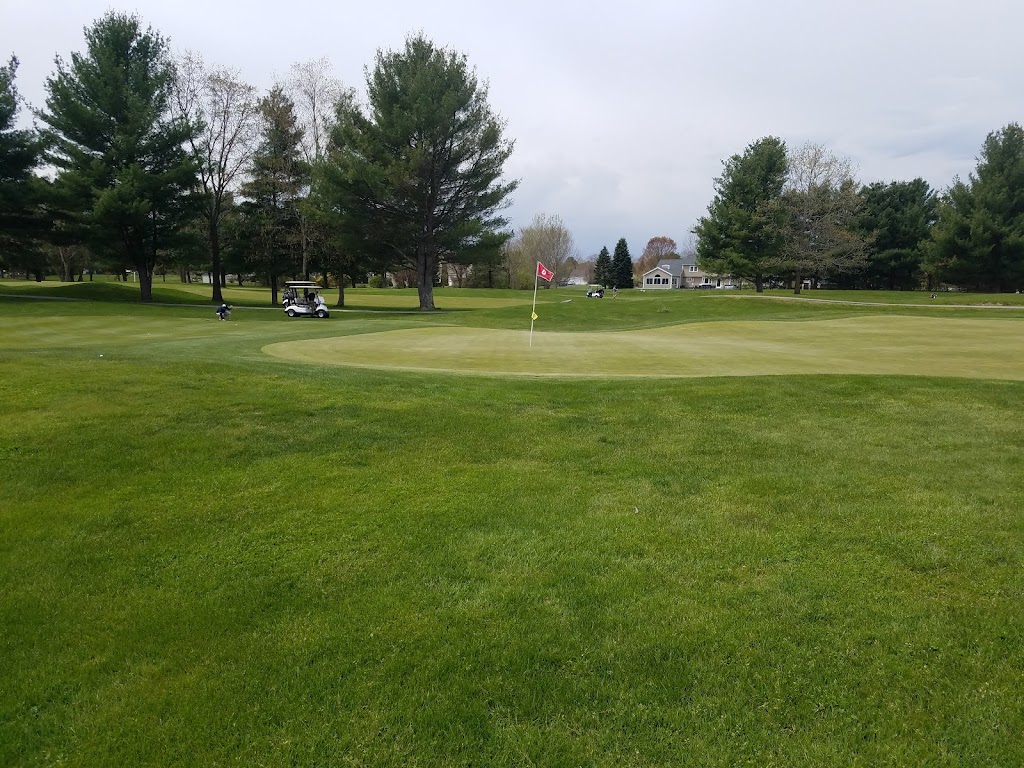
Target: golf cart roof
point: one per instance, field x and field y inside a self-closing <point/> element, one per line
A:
<point x="300" y="284"/>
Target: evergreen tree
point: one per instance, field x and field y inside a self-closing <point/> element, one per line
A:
<point x="277" y="178"/>
<point x="118" y="149"/>
<point x="978" y="241"/>
<point x="740" y="235"/>
<point x="896" y="219"/>
<point x="418" y="178"/>
<point x="603" y="269"/>
<point x="622" y="266"/>
<point x="19" y="188"/>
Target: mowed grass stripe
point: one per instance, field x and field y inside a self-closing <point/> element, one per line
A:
<point x="962" y="347"/>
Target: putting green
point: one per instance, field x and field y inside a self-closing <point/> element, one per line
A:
<point x="975" y="348"/>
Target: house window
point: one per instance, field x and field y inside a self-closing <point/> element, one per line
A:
<point x="693" y="267"/>
<point x="650" y="281"/>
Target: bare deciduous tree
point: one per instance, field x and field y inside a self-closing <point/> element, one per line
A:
<point x="317" y="94"/>
<point x="227" y="111"/>
<point x="820" y="200"/>
<point x="548" y="241"/>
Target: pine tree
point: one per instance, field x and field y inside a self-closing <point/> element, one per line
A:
<point x="19" y="154"/>
<point x="741" y="235"/>
<point x="978" y="241"/>
<point x="119" y="151"/>
<point x="277" y="177"/>
<point x="895" y="219"/>
<point x="622" y="266"/>
<point x="603" y="268"/>
<point x="419" y="176"/>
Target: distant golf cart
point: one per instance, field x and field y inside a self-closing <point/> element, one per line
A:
<point x="302" y="299"/>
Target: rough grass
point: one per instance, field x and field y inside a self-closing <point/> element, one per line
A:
<point x="210" y="556"/>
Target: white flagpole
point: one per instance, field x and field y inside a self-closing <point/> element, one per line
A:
<point x="533" y="312"/>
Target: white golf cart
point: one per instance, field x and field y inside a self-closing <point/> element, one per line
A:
<point x="302" y="299"/>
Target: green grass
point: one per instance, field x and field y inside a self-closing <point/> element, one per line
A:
<point x="209" y="556"/>
<point x="174" y="292"/>
<point x="927" y="346"/>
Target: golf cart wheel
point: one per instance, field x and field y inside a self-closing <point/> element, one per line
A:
<point x="291" y="312"/>
<point x="321" y="313"/>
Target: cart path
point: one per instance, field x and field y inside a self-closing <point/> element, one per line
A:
<point x="873" y="303"/>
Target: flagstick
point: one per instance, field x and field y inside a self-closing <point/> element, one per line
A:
<point x="536" y="279"/>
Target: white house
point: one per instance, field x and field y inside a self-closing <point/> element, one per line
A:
<point x="682" y="273"/>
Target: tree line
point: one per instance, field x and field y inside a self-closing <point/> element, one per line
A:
<point x="799" y="217"/>
<point x="159" y="163"/>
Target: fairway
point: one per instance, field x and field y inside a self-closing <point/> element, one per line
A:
<point x="295" y="542"/>
<point x="973" y="348"/>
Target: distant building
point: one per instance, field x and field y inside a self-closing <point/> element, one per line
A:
<point x="682" y="273"/>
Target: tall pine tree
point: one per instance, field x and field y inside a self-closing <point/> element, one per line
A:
<point x="19" y="154"/>
<point x="740" y="235"/>
<point x="978" y="241"/>
<point x="895" y="219"/>
<point x="622" y="266"/>
<point x="119" y="150"/>
<point x="277" y="178"/>
<point x="419" y="176"/>
<point x="603" y="268"/>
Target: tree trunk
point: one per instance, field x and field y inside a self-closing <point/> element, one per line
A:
<point x="759" y="283"/>
<point x="426" y="265"/>
<point x="145" y="283"/>
<point x="273" y="290"/>
<point x="341" y="291"/>
<point x="304" y="240"/>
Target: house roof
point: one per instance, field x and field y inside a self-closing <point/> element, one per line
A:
<point x="674" y="267"/>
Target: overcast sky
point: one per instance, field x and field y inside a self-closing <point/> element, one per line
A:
<point x="622" y="112"/>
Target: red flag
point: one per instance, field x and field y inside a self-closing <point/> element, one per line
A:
<point x="544" y="272"/>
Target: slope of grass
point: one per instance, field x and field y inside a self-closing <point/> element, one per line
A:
<point x="208" y="556"/>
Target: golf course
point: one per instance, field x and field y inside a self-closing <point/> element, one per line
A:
<point x="672" y="528"/>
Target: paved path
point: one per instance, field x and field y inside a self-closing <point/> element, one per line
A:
<point x="877" y="303"/>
